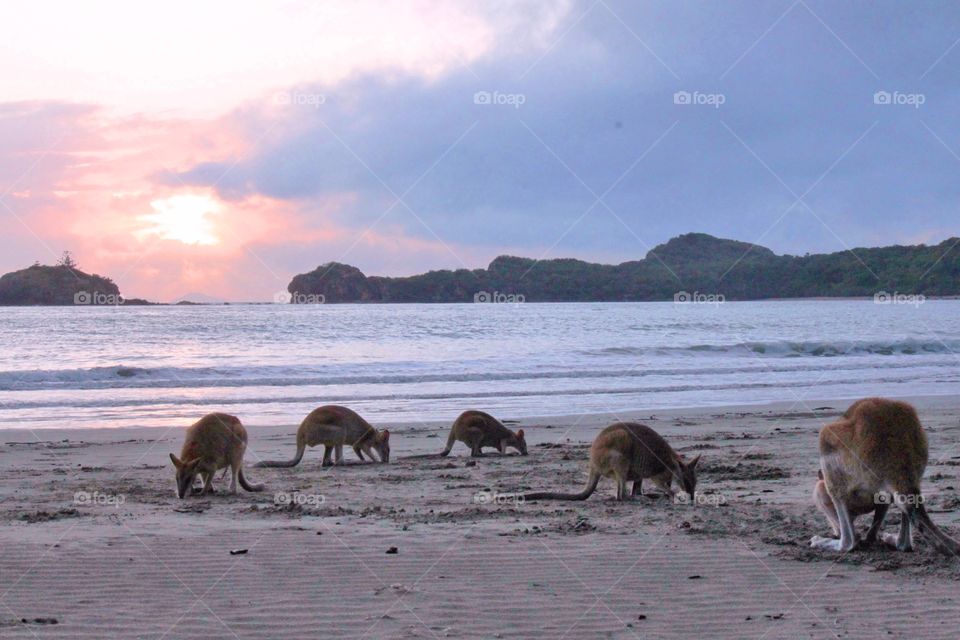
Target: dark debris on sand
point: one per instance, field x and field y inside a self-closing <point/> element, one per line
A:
<point x="741" y="471"/>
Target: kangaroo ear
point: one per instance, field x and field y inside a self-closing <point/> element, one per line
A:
<point x="520" y="433"/>
<point x="176" y="461"/>
<point x="693" y="463"/>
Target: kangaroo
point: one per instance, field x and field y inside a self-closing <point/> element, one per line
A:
<point x="874" y="456"/>
<point x="213" y="442"/>
<point x="333" y="426"/>
<point x="627" y="451"/>
<point x="477" y="430"/>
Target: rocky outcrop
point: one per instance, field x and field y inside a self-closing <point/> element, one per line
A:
<point x="57" y="285"/>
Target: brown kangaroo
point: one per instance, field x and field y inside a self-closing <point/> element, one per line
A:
<point x="213" y="442"/>
<point x="333" y="426"/>
<point x="477" y="430"/>
<point x="874" y="456"/>
<point x="627" y="451"/>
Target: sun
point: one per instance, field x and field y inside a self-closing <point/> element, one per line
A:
<point x="184" y="218"/>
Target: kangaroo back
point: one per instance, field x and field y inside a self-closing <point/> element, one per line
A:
<point x="215" y="439"/>
<point x="645" y="449"/>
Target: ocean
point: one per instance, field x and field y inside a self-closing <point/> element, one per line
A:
<point x="271" y="364"/>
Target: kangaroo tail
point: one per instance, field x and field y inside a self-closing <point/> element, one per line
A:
<point x="301" y="447"/>
<point x="246" y="485"/>
<point x="583" y="495"/>
<point x="943" y="543"/>
<point x="451" y="439"/>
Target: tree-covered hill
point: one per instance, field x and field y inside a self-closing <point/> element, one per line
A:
<point x="694" y="262"/>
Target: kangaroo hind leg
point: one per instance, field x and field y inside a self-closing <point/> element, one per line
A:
<point x="903" y="540"/>
<point x="879" y="513"/>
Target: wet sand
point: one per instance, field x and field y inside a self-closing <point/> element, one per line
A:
<point x="94" y="543"/>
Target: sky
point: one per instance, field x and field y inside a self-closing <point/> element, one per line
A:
<point x="220" y="148"/>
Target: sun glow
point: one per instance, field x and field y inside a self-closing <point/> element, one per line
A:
<point x="184" y="218"/>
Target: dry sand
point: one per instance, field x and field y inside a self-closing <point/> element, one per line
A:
<point x="127" y="559"/>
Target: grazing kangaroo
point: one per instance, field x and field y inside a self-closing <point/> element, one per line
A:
<point x="477" y="430"/>
<point x="334" y="426"/>
<point x="213" y="442"/>
<point x="874" y="456"/>
<point x="627" y="451"/>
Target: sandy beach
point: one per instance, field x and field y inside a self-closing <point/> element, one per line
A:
<point x="94" y="543"/>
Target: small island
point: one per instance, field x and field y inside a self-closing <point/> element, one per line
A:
<point x="60" y="284"/>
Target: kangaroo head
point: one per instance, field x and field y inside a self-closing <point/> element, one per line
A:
<point x="381" y="442"/>
<point x="519" y="442"/>
<point x="688" y="475"/>
<point x="186" y="474"/>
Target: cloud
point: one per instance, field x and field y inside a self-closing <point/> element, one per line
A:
<point x="596" y="112"/>
<point x="203" y="58"/>
<point x="545" y="130"/>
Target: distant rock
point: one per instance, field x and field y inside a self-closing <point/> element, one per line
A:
<point x="197" y="298"/>
<point x="336" y="282"/>
<point x="57" y="285"/>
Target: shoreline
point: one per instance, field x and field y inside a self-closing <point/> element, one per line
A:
<point x="139" y="302"/>
<point x="8" y="434"/>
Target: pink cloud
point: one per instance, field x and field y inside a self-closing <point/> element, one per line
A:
<point x="94" y="192"/>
